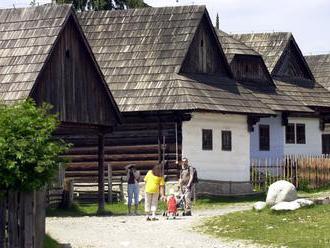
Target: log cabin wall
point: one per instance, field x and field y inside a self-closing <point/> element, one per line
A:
<point x="138" y="140"/>
<point x="71" y="83"/>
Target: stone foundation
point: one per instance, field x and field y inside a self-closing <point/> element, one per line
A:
<point x="221" y="188"/>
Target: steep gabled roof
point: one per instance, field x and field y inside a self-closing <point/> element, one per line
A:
<point x="141" y="52"/>
<point x="270" y="45"/>
<point x="320" y="67"/>
<point x="265" y="92"/>
<point x="27" y="37"/>
<point x="274" y="47"/>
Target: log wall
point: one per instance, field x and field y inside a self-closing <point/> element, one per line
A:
<point x="139" y="140"/>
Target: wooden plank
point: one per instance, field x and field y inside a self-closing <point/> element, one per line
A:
<point x="40" y="218"/>
<point x="101" y="173"/>
<point x="13" y="238"/>
<point x="3" y="209"/>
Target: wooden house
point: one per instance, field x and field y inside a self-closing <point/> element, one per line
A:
<point x="320" y="67"/>
<point x="45" y="56"/>
<point x="301" y="132"/>
<point x="172" y="82"/>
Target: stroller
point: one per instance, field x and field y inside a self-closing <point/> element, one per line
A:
<point x="175" y="203"/>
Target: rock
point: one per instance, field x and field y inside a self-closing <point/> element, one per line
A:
<point x="281" y="191"/>
<point x="322" y="201"/>
<point x="286" y="206"/>
<point x="304" y="202"/>
<point x="258" y="206"/>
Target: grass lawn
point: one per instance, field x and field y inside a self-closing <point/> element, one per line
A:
<point x="304" y="228"/>
<point x="50" y="242"/>
<point x="214" y="202"/>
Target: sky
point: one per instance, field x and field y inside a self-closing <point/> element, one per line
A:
<point x="308" y="20"/>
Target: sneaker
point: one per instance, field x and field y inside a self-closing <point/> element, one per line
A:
<point x="148" y="218"/>
<point x="154" y="219"/>
<point x="187" y="213"/>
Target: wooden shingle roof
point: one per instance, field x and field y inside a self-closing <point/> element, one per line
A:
<point x="27" y="37"/>
<point x="232" y="47"/>
<point x="320" y="67"/>
<point x="273" y="47"/>
<point x="141" y="52"/>
<point x="266" y="92"/>
<point x="270" y="45"/>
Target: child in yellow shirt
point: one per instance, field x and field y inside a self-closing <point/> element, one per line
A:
<point x="154" y="184"/>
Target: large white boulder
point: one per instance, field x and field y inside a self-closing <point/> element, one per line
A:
<point x="258" y="206"/>
<point x="281" y="191"/>
<point x="286" y="206"/>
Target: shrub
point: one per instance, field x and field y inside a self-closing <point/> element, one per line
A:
<point x="29" y="154"/>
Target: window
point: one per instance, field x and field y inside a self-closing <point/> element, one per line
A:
<point x="290" y="134"/>
<point x="295" y="134"/>
<point x="264" y="139"/>
<point x="300" y="129"/>
<point x="207" y="139"/>
<point x="226" y="140"/>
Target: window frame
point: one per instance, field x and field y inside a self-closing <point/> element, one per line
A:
<point x="264" y="146"/>
<point x="224" y="139"/>
<point x="207" y="146"/>
<point x="293" y="139"/>
<point x="303" y="141"/>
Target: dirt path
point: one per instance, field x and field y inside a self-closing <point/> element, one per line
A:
<point x="136" y="232"/>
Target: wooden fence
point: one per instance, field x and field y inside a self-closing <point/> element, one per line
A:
<point x="303" y="171"/>
<point x="22" y="219"/>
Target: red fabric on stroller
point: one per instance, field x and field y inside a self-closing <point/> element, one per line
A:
<point x="171" y="205"/>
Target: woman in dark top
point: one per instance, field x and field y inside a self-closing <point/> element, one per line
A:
<point x="133" y="178"/>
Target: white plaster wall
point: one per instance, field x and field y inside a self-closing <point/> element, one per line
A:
<point x="276" y="139"/>
<point x="217" y="164"/>
<point x="313" y="134"/>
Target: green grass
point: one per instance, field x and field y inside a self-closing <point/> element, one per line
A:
<point x="214" y="202"/>
<point x="50" y="242"/>
<point x="304" y="228"/>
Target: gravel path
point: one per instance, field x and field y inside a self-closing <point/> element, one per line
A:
<point x="136" y="232"/>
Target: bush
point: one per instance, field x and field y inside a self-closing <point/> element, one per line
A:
<point x="29" y="155"/>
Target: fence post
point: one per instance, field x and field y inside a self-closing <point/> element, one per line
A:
<point x="68" y="194"/>
<point x="2" y="219"/>
<point x="40" y="218"/>
<point x="109" y="183"/>
<point x="13" y="219"/>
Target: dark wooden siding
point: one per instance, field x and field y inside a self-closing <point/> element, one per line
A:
<point x="71" y="83"/>
<point x="203" y="54"/>
<point x="137" y="141"/>
<point x="292" y="64"/>
<point x="249" y="68"/>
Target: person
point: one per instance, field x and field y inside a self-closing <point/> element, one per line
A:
<point x="133" y="178"/>
<point x="154" y="185"/>
<point x="186" y="184"/>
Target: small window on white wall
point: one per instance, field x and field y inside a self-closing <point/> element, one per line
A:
<point x="207" y="139"/>
<point x="295" y="133"/>
<point x="226" y="140"/>
<point x="264" y="138"/>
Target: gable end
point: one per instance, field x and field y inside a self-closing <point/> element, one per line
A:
<point x="205" y="54"/>
<point x="292" y="64"/>
<point x="72" y="83"/>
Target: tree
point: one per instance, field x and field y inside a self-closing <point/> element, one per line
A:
<point x="82" y="5"/>
<point x="29" y="154"/>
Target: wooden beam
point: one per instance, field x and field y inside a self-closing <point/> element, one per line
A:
<point x="101" y="172"/>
